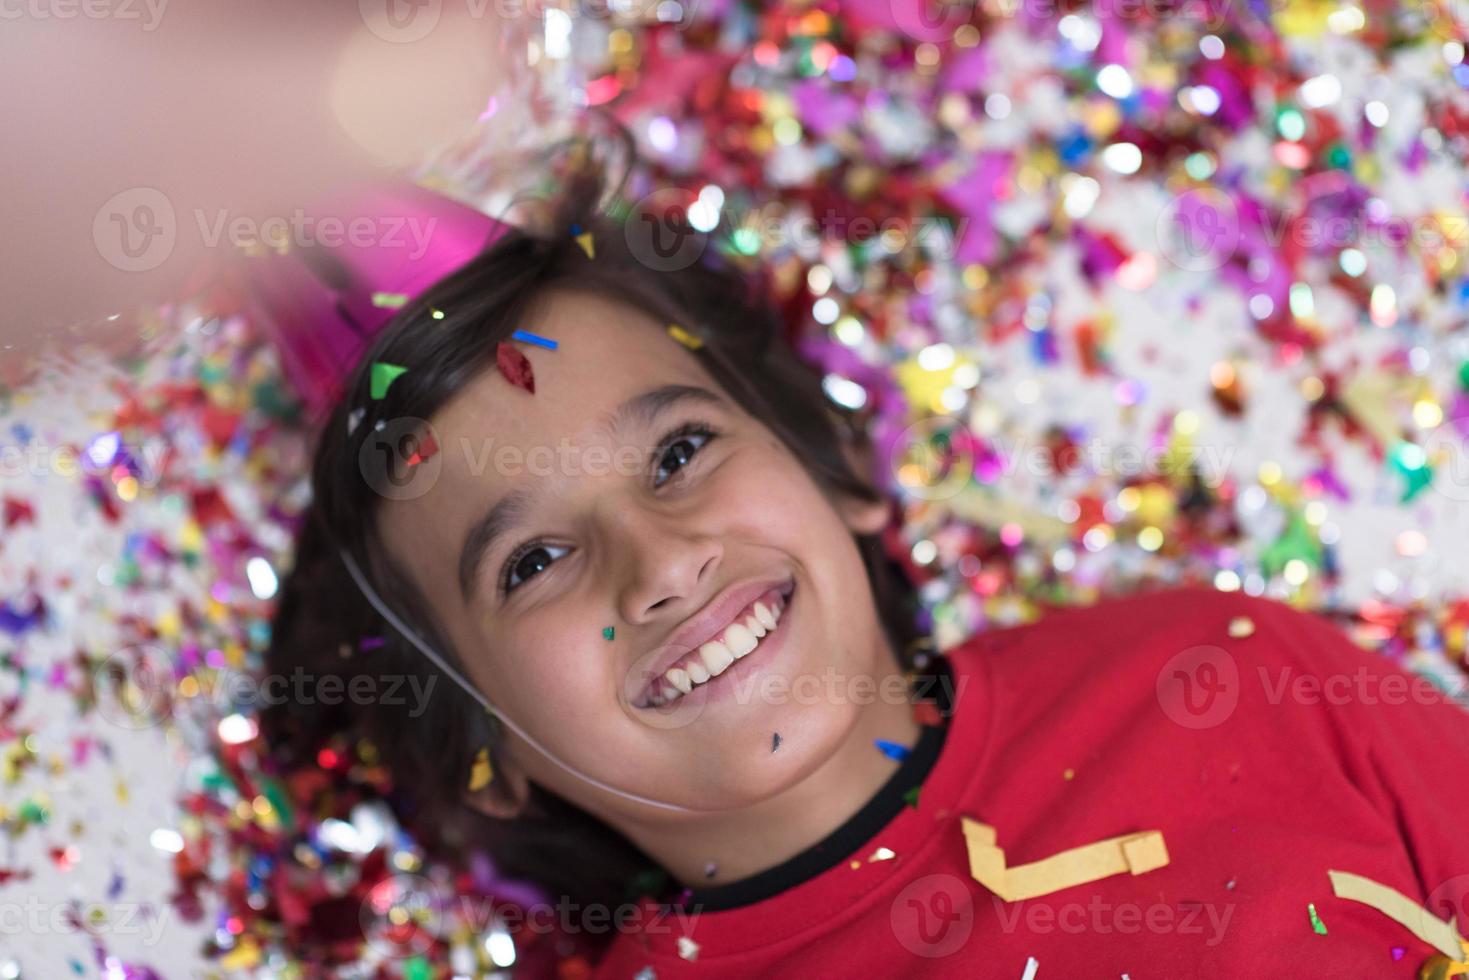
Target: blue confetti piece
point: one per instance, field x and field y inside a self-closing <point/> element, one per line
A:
<point x="892" y="750"/>
<point x="525" y="336"/>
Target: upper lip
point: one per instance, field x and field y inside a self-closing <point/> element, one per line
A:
<point x="711" y="622"/>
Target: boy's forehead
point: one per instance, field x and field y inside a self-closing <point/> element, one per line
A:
<point x="606" y="353"/>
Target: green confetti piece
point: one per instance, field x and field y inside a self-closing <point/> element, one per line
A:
<point x="417" y="968"/>
<point x="911" y="797"/>
<point x="1464" y="375"/>
<point x="1317" y="925"/>
<point x="389" y="301"/>
<point x="1411" y="463"/>
<point x="383" y="376"/>
<point x="608" y="632"/>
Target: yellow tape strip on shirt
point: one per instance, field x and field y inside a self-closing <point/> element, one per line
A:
<point x="1441" y="935"/>
<point x="1136" y="853"/>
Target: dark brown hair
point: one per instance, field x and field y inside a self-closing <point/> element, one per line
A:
<point x="322" y="616"/>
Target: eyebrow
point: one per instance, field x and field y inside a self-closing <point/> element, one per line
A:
<point x="640" y="410"/>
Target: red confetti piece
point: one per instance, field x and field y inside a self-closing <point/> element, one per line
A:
<point x="18" y="512"/>
<point x="515" y="366"/>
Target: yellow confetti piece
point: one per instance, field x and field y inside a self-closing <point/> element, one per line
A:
<point x="244" y="956"/>
<point x="480" y="773"/>
<point x="587" y="244"/>
<point x="1241" y="627"/>
<point x="1392" y="903"/>
<point x="684" y="337"/>
<point x="1134" y="853"/>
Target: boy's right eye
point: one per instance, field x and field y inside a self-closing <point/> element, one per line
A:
<point x="529" y="562"/>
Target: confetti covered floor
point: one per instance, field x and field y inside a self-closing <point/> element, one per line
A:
<point x="1126" y="298"/>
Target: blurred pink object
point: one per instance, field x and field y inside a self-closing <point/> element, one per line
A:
<point x="316" y="300"/>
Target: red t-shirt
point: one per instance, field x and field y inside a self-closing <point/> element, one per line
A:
<point x="1264" y="760"/>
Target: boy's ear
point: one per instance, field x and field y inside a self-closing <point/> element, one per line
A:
<point x="504" y="798"/>
<point x="861" y="516"/>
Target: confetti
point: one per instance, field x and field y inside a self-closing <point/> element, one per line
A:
<point x="1317" y="926"/>
<point x="480" y="773"/>
<point x="681" y="335"/>
<point x="584" y="239"/>
<point x="608" y="632"/>
<point x="389" y="301"/>
<point x="354" y="419"/>
<point x="515" y="367"/>
<point x="687" y="948"/>
<point x="775" y="741"/>
<point x="1130" y="853"/>
<point x="892" y="750"/>
<point x="1031" y="966"/>
<point x="525" y="336"/>
<point x="383" y="376"/>
<point x="1241" y="627"/>
<point x="911" y="797"/>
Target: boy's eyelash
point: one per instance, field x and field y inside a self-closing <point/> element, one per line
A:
<point x="692" y="428"/>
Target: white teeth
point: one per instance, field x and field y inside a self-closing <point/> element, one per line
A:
<point x="739" y="640"/>
<point x="716" y="656"/>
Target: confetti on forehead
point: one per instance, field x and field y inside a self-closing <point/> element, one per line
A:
<point x="515" y="367"/>
<point x="681" y="335"/>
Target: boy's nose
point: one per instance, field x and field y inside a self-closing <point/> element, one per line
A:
<point x="658" y="560"/>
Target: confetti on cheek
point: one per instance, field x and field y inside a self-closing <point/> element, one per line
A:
<point x="775" y="741"/>
<point x="892" y="750"/>
<point x="515" y="367"/>
<point x="608" y="632"/>
<point x="383" y="376"/>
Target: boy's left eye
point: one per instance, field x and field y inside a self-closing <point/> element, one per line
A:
<point x="678" y="449"/>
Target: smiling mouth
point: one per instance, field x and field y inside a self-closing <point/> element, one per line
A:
<point x="740" y="638"/>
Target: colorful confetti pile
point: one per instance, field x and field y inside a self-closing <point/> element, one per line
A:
<point x="1123" y="300"/>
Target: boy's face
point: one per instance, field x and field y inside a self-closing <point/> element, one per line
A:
<point x="664" y="526"/>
